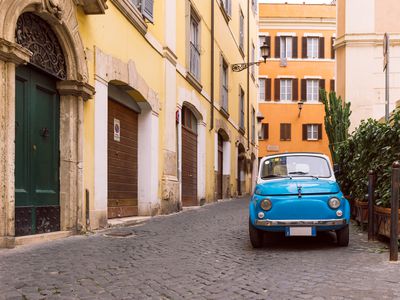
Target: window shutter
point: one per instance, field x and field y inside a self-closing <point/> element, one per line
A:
<point x="277" y="47"/>
<point x="268" y="89"/>
<point x="282" y="132"/>
<point x="321" y="47"/>
<point x="321" y="87"/>
<point x="332" y="48"/>
<point x="304" y="89"/>
<point x="266" y="131"/>
<point x="229" y="7"/>
<point x="295" y="89"/>
<point x="294" y="47"/>
<point x="268" y="41"/>
<point x="147" y="9"/>
<point x="277" y="88"/>
<point x="304" y="132"/>
<point x="289" y="131"/>
<point x="320" y="131"/>
<point x="332" y="88"/>
<point x="304" y="47"/>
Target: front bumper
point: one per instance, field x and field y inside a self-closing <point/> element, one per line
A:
<point x="294" y="223"/>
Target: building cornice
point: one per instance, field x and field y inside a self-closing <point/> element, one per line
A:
<point x="365" y="40"/>
<point x="298" y="23"/>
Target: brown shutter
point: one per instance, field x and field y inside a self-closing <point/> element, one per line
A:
<point x="320" y="131"/>
<point x="321" y="47"/>
<point x="304" y="132"/>
<point x="304" y="47"/>
<point x="277" y="47"/>
<point x="321" y="87"/>
<point x="277" y="88"/>
<point x="332" y="88"/>
<point x="304" y="89"/>
<point x="294" y="47"/>
<point x="282" y="133"/>
<point x="268" y="41"/>
<point x="289" y="131"/>
<point x="332" y="48"/>
<point x="268" y="89"/>
<point x="295" y="89"/>
<point x="266" y="131"/>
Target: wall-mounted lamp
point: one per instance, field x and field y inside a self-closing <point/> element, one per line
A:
<point x="300" y="107"/>
<point x="264" y="50"/>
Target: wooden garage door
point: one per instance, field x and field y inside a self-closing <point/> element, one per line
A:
<point x="122" y="161"/>
<point x="189" y="158"/>
<point x="220" y="167"/>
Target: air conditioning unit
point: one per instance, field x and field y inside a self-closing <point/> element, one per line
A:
<point x="283" y="62"/>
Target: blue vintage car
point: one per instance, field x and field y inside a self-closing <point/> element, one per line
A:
<point x="297" y="193"/>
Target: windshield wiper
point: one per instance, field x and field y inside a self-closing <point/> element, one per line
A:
<point x="272" y="176"/>
<point x="303" y="174"/>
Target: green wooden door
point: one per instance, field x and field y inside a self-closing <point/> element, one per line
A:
<point x="36" y="153"/>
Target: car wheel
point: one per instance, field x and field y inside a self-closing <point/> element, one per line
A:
<point x="256" y="236"/>
<point x="342" y="236"/>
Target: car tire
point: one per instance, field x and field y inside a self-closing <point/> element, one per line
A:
<point x="342" y="236"/>
<point x="256" y="236"/>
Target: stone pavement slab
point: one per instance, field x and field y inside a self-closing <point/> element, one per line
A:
<point x="198" y="254"/>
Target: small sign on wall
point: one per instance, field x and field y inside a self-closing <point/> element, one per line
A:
<point x="117" y="130"/>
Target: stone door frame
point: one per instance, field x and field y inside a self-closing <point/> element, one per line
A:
<point x="73" y="92"/>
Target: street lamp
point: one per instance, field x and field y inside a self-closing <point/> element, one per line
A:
<point x="264" y="49"/>
<point x="300" y="107"/>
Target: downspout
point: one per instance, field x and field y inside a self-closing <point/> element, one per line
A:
<point x="212" y="66"/>
<point x="248" y="75"/>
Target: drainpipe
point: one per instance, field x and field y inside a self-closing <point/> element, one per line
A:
<point x="248" y="74"/>
<point x="212" y="66"/>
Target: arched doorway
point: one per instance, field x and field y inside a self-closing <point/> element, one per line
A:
<point x="241" y="176"/>
<point x="189" y="157"/>
<point x="37" y="134"/>
<point x="220" y="167"/>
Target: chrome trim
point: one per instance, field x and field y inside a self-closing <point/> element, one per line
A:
<point x="327" y="222"/>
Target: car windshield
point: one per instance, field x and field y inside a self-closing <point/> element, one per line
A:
<point x="296" y="165"/>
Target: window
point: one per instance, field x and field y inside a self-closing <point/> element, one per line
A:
<point x="241" y="101"/>
<point x="227" y="5"/>
<point x="189" y="120"/>
<point x="254" y="5"/>
<point x="286" y="89"/>
<point x="261" y="82"/>
<point x="241" y="31"/>
<point x="224" y="85"/>
<point x="312" y="47"/>
<point x="313" y="90"/>
<point x="253" y="53"/>
<point x="312" y="132"/>
<point x="253" y="125"/>
<point x="286" y="131"/>
<point x="194" y="46"/>
<point x="145" y="7"/>
<point x="264" y="133"/>
<point x="286" y="47"/>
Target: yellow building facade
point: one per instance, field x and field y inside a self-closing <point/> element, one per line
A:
<point x="301" y="62"/>
<point x="151" y="116"/>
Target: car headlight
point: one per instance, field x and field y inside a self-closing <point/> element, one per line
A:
<point x="266" y="204"/>
<point x="334" y="203"/>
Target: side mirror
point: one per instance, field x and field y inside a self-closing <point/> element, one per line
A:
<point x="337" y="170"/>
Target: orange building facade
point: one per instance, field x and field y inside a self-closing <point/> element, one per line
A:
<point x="301" y="62"/>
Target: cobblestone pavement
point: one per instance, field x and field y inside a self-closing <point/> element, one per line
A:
<point x="199" y="254"/>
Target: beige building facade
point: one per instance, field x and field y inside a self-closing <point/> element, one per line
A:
<point x="359" y="53"/>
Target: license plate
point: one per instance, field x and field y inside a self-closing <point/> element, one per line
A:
<point x="300" y="231"/>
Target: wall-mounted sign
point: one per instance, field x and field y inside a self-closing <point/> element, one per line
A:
<point x="117" y="130"/>
<point x="273" y="148"/>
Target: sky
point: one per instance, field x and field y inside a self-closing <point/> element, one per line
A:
<point x="295" y="1"/>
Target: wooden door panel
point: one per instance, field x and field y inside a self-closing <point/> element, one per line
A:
<point x="122" y="162"/>
<point x="189" y="167"/>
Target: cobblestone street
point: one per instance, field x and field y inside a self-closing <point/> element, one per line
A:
<point x="198" y="254"/>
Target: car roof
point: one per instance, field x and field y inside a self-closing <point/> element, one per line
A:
<point x="316" y="154"/>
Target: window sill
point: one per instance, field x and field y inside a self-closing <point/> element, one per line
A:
<point x="224" y="112"/>
<point x="242" y="131"/>
<point x="132" y="14"/>
<point x="285" y="140"/>
<point x="95" y="7"/>
<point x="194" y="82"/>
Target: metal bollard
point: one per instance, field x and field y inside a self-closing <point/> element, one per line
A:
<point x="371" y="204"/>
<point x="394" y="217"/>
